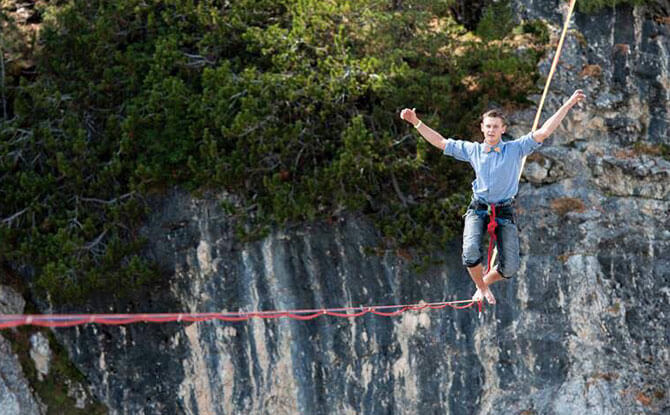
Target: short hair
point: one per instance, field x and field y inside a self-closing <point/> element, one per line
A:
<point x="495" y="113"/>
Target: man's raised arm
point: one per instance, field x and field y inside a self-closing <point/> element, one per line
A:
<point x="432" y="136"/>
<point x="555" y="120"/>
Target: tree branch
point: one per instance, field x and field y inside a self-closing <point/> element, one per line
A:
<point x="96" y="241"/>
<point x="14" y="216"/>
<point x="2" y="80"/>
<point x="402" y="197"/>
<point x="106" y="202"/>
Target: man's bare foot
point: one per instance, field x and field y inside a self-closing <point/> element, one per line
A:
<point x="478" y="296"/>
<point x="486" y="293"/>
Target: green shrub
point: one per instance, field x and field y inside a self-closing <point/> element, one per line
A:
<point x="592" y="6"/>
<point x="292" y="106"/>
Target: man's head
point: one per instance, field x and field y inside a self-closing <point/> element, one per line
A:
<point x="493" y="126"/>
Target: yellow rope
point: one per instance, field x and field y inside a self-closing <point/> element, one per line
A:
<point x="554" y="64"/>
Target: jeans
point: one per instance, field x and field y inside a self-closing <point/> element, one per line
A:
<point x="476" y="220"/>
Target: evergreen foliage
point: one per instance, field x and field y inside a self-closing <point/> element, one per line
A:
<point x="592" y="6"/>
<point x="291" y="105"/>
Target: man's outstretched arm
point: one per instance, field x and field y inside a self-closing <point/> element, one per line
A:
<point x="555" y="120"/>
<point x="432" y="136"/>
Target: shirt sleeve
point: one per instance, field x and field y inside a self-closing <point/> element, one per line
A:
<point x="527" y="144"/>
<point x="458" y="149"/>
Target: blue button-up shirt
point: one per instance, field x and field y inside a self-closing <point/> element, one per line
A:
<point x="497" y="173"/>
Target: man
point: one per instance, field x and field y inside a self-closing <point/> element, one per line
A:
<point x="497" y="166"/>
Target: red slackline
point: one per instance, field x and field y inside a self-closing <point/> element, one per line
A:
<point x="70" y="320"/>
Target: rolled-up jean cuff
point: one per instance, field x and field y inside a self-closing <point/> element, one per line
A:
<point x="472" y="264"/>
<point x="501" y="273"/>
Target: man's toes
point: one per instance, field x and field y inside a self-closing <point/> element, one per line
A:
<point x="490" y="298"/>
<point x="477" y="296"/>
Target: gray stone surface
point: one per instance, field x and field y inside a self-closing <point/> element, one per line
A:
<point x="582" y="328"/>
<point x="11" y="302"/>
<point x="40" y="352"/>
<point x="16" y="397"/>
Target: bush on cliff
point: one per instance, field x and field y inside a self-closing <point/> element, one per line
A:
<point x="292" y="105"/>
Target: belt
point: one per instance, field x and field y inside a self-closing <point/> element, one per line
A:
<point x="480" y="205"/>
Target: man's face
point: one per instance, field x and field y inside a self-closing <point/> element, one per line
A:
<point x="492" y="128"/>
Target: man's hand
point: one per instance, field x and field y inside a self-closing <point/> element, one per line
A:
<point x="432" y="136"/>
<point x="577" y="97"/>
<point x="553" y="122"/>
<point x="409" y="115"/>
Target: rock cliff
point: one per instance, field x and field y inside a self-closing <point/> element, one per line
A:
<point x="16" y="395"/>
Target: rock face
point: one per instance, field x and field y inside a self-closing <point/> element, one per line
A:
<point x="11" y="302"/>
<point x="581" y="329"/>
<point x="16" y="396"/>
<point x="328" y="365"/>
<point x="40" y="352"/>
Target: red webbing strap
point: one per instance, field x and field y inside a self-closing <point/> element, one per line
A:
<point x="492" y="234"/>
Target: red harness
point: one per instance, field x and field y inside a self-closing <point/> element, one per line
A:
<point x="491" y="228"/>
